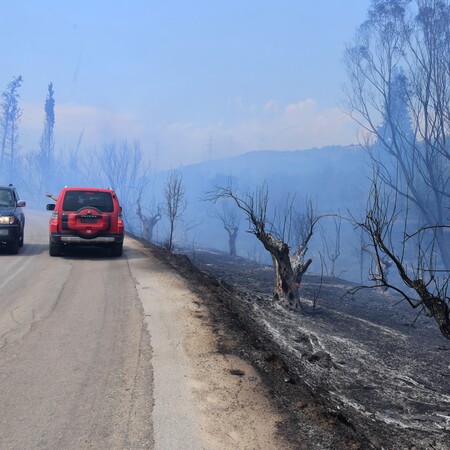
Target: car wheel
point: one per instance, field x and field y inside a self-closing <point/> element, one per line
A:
<point x="54" y="249"/>
<point x="13" y="247"/>
<point x="21" y="239"/>
<point x="116" y="249"/>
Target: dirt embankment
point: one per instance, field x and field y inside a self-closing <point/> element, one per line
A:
<point x="348" y="372"/>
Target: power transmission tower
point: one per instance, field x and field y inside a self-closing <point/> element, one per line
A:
<point x="209" y="149"/>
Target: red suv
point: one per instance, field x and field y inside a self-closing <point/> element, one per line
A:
<point x="86" y="216"/>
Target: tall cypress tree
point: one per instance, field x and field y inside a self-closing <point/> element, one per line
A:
<point x="46" y="144"/>
<point x="9" y="123"/>
<point x="47" y="140"/>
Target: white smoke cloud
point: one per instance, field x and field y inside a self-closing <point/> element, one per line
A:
<point x="295" y="126"/>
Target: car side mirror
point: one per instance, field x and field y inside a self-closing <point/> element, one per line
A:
<point x="50" y="207"/>
<point x="21" y="204"/>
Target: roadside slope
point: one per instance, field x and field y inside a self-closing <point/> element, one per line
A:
<point x="203" y="398"/>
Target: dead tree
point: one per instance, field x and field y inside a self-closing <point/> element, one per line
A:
<point x="230" y="221"/>
<point x="333" y="248"/>
<point x="303" y="227"/>
<point x="423" y="279"/>
<point x="175" y="202"/>
<point x="360" y="254"/>
<point x="289" y="268"/>
<point x="148" y="220"/>
<point x="189" y="226"/>
<point x="397" y="91"/>
<point x="125" y="170"/>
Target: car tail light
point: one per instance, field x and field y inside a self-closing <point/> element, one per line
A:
<point x="54" y="218"/>
<point x="120" y="225"/>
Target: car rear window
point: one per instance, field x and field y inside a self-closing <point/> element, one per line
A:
<point x="74" y="200"/>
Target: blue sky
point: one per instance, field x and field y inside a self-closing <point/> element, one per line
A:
<point x="187" y="79"/>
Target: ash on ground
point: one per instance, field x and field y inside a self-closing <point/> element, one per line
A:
<point x="348" y="371"/>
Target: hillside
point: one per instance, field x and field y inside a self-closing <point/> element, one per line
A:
<point x="330" y="175"/>
<point x="336" y="179"/>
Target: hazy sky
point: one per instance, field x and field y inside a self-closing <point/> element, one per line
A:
<point x="188" y="79"/>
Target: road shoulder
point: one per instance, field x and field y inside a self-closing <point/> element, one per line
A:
<point x="204" y="398"/>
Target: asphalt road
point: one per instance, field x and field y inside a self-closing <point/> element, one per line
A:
<point x="72" y="340"/>
<point x="99" y="353"/>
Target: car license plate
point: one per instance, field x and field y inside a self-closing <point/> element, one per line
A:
<point x="4" y="232"/>
<point x="88" y="219"/>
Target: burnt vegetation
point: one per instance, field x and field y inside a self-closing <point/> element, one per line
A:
<point x="289" y="229"/>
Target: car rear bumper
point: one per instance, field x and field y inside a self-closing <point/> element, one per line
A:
<point x="78" y="240"/>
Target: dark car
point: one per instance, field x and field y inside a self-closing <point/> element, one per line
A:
<point x="12" y="219"/>
<point x="86" y="216"/>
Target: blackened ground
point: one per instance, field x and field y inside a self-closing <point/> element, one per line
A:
<point x="348" y="372"/>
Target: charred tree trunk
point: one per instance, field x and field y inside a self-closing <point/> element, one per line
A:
<point x="435" y="306"/>
<point x="148" y="225"/>
<point x="300" y="266"/>
<point x="285" y="287"/>
<point x="300" y="269"/>
<point x="148" y="222"/>
<point x="232" y="236"/>
<point x="288" y="270"/>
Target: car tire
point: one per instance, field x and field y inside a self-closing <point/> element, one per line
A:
<point x="54" y="249"/>
<point x="116" y="249"/>
<point x="21" y="239"/>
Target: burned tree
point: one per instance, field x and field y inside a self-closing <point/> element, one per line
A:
<point x="230" y="220"/>
<point x="360" y="254"/>
<point x="332" y="248"/>
<point x="424" y="286"/>
<point x="125" y="170"/>
<point x="175" y="202"/>
<point x="398" y="91"/>
<point x="149" y="217"/>
<point x="289" y="268"/>
<point x="300" y="232"/>
<point x="189" y="226"/>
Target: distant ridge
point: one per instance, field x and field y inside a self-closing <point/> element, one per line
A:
<point x="333" y="175"/>
<point x="335" y="178"/>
